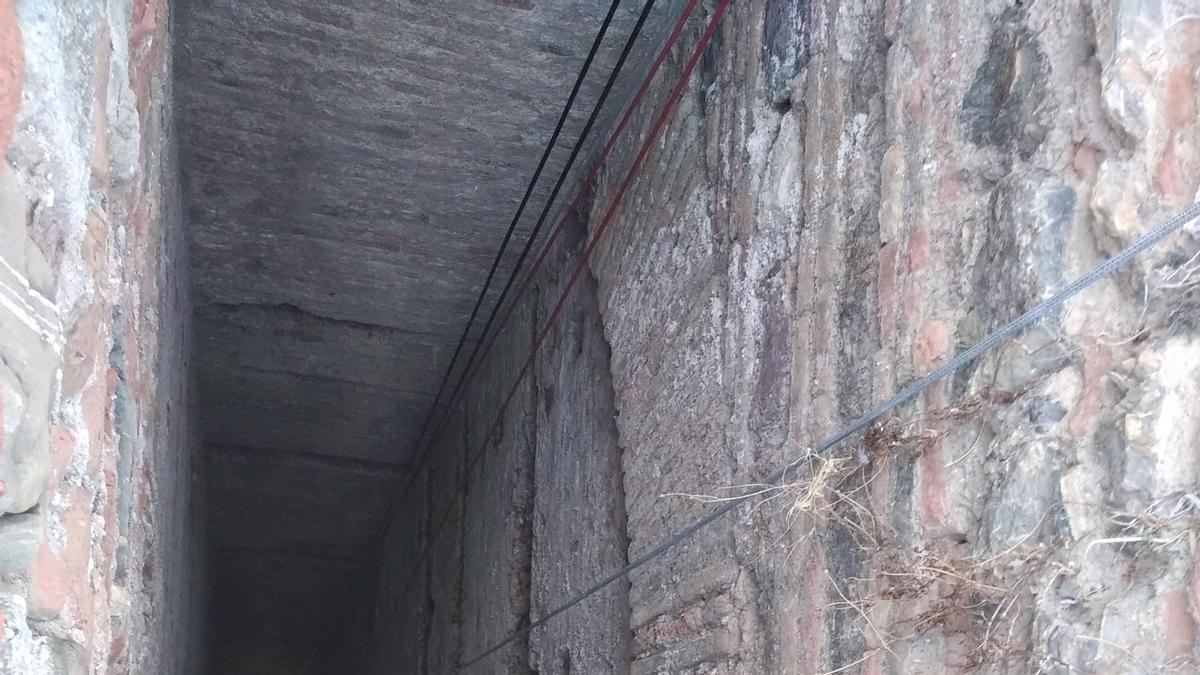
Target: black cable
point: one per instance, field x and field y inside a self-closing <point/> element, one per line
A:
<point x="562" y="179"/>
<point x="550" y="144"/>
<point x="512" y="226"/>
<point x="904" y="395"/>
<point x="563" y="175"/>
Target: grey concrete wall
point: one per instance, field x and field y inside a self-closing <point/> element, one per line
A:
<point x="850" y="192"/>
<point x="100" y="558"/>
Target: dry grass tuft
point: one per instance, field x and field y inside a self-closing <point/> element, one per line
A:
<point x="1166" y="522"/>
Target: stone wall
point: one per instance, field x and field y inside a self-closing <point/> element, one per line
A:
<point x="99" y="527"/>
<point x="850" y="192"/>
<point x="471" y="553"/>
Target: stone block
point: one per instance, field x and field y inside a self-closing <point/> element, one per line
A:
<point x="19" y="536"/>
<point x="30" y="340"/>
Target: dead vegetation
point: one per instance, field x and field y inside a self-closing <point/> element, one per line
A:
<point x="987" y="605"/>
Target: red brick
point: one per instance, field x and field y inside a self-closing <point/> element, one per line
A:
<point x="1179" y="629"/>
<point x="1179" y="97"/>
<point x="1167" y="176"/>
<point x="86" y="345"/>
<point x="145" y="22"/>
<point x="887" y="291"/>
<point x="62" y="444"/>
<point x="932" y="496"/>
<point x="932" y="345"/>
<point x="12" y="71"/>
<point x="57" y="577"/>
<point x="1097" y="364"/>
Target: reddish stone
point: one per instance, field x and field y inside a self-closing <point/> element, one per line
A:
<point x="12" y="71"/>
<point x="140" y="218"/>
<point x="918" y="248"/>
<point x="95" y="243"/>
<point x="949" y="186"/>
<point x="108" y="544"/>
<point x="931" y="345"/>
<point x="931" y="498"/>
<point x="86" y="345"/>
<point x="887" y="290"/>
<point x="95" y="402"/>
<point x="1097" y="364"/>
<point x="55" y="578"/>
<point x="1086" y="161"/>
<point x="62" y="444"/>
<point x="1179" y="98"/>
<point x="1168" y="176"/>
<point x="1179" y="629"/>
<point x="144" y="23"/>
<point x="147" y="59"/>
<point x="1195" y="590"/>
<point x="914" y="103"/>
<point x="116" y="651"/>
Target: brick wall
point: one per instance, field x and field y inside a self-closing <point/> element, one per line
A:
<point x="471" y="554"/>
<point x="98" y="524"/>
<point x="850" y="192"/>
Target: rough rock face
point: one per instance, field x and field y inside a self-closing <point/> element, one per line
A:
<point x="98" y="523"/>
<point x="850" y="192"/>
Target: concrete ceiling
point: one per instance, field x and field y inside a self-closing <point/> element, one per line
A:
<point x="349" y="169"/>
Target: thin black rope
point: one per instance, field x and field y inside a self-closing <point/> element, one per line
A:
<point x="870" y="417"/>
<point x="563" y="175"/>
<point x="541" y="221"/>
<point x="512" y="226"/>
<point x="533" y="181"/>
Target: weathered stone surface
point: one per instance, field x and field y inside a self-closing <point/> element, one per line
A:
<point x="101" y="574"/>
<point x="12" y="71"/>
<point x="498" y="498"/>
<point x="32" y="343"/>
<point x="578" y="530"/>
<point x="849" y="193"/>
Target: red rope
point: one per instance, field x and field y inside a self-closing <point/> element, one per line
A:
<point x="477" y="360"/>
<point x="606" y="222"/>
<point x="609" y="215"/>
<point x="477" y="364"/>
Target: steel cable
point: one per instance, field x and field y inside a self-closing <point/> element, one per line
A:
<point x="870" y="417"/>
